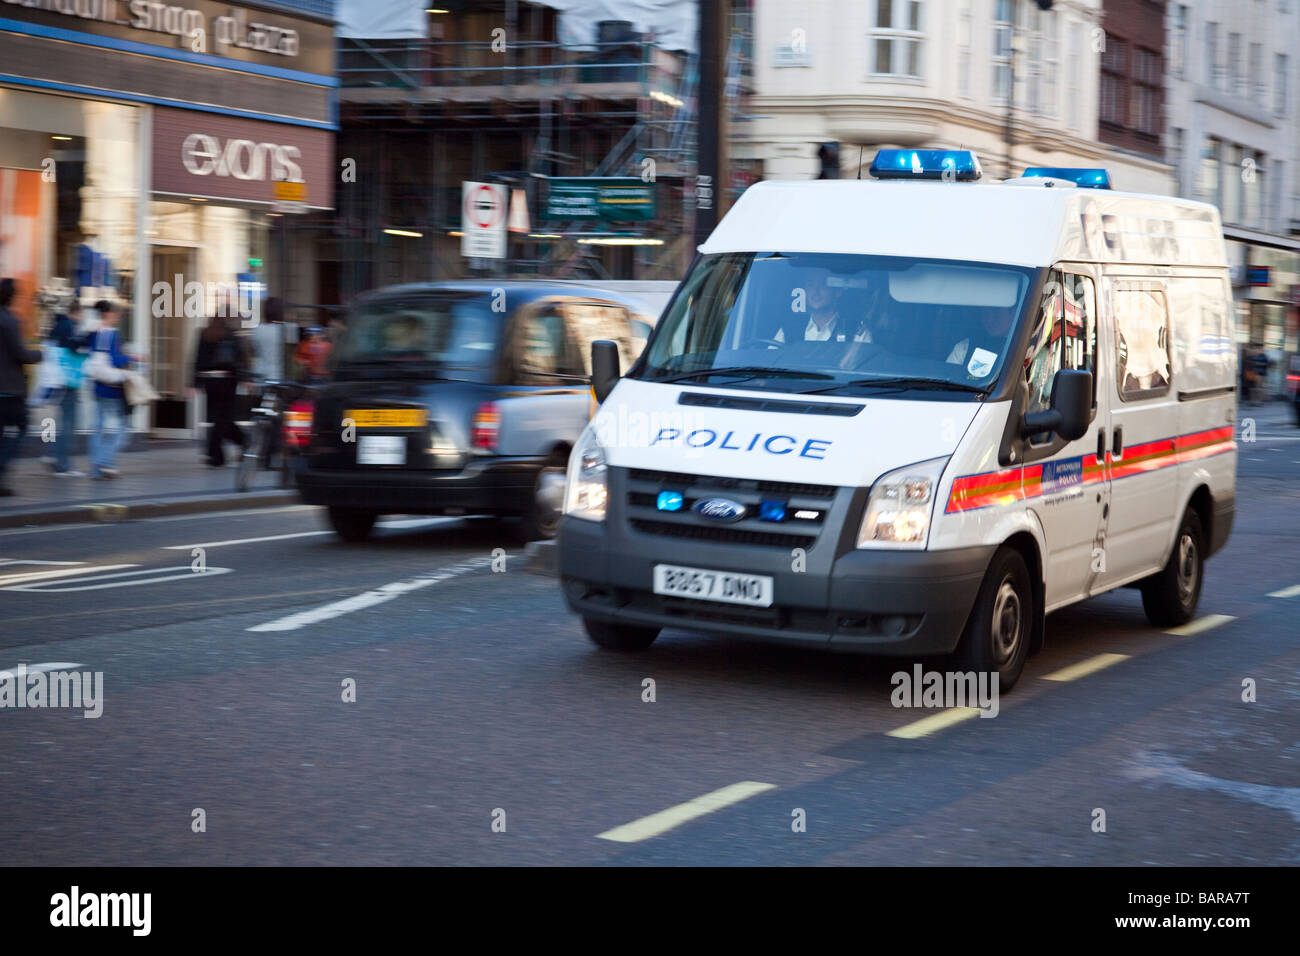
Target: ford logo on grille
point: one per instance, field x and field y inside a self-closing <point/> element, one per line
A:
<point x="719" y="509"/>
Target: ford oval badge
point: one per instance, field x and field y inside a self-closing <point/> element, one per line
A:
<point x="719" y="509"/>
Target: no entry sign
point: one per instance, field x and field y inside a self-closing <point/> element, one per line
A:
<point x="483" y="220"/>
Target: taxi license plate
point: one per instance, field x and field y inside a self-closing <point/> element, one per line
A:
<point x="705" y="585"/>
<point x="387" y="417"/>
<point x="381" y="449"/>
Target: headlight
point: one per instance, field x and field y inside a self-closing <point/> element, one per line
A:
<point x="585" y="491"/>
<point x="900" y="506"/>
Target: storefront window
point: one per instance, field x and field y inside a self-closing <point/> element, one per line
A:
<point x="68" y="195"/>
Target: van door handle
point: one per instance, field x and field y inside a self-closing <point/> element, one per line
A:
<point x="1118" y="445"/>
<point x="1101" y="445"/>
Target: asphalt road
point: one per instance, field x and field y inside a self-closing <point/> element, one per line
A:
<point x="487" y="730"/>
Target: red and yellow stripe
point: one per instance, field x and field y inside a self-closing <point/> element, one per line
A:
<point x="970" y="492"/>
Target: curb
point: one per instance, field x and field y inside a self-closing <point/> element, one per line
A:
<point x="112" y="511"/>
<point x="540" y="556"/>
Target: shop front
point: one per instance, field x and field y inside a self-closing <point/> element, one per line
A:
<point x="151" y="155"/>
<point x="1266" y="283"/>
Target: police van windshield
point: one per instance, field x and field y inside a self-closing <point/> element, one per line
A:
<point x="446" y="332"/>
<point x="845" y="323"/>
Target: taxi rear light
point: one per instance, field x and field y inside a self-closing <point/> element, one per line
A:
<point x="485" y="428"/>
<point x="297" y="424"/>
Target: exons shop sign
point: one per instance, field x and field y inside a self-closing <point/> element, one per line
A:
<point x="204" y="155"/>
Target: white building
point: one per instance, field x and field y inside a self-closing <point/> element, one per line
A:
<point x="931" y="73"/>
<point x="1232" y="135"/>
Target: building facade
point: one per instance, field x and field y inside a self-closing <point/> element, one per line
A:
<point x="1014" y="83"/>
<point x="1231" y="136"/>
<point x="155" y="155"/>
<point x="1130" y="107"/>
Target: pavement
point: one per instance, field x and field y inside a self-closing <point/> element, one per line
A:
<point x="160" y="478"/>
<point x="423" y="698"/>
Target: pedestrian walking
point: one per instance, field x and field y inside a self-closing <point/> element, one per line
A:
<point x="107" y="365"/>
<point x="313" y="353"/>
<point x="13" y="382"/>
<point x="220" y="362"/>
<point x="268" y="342"/>
<point x="72" y="346"/>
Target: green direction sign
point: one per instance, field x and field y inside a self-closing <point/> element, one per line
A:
<point x="607" y="198"/>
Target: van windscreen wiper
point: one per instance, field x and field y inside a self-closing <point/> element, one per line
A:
<point x="903" y="381"/>
<point x="749" y="371"/>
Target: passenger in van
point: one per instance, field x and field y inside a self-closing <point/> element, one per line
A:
<point x="990" y="337"/>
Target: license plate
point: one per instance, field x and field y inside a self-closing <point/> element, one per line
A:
<point x="381" y="450"/>
<point x="706" y="585"/>
<point x="387" y="417"/>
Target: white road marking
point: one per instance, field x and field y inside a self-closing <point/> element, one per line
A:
<point x="400" y="523"/>
<point x="369" y="598"/>
<point x="222" y="544"/>
<point x="1290" y="592"/>
<point x="665" y="820"/>
<point x="8" y="580"/>
<point x="1084" y="668"/>
<point x="8" y="561"/>
<point x="184" y="572"/>
<point x="1200" y="624"/>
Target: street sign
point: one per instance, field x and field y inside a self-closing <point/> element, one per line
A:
<point x="483" y="220"/>
<point x="287" y="197"/>
<point x="609" y="198"/>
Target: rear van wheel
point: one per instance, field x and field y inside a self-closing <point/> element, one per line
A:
<point x="997" y="635"/>
<point x="618" y="637"/>
<point x="350" y="524"/>
<point x="1171" y="595"/>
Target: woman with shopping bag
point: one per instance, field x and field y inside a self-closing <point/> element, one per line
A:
<point x="66" y="354"/>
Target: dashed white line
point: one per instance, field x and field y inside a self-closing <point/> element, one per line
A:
<point x="222" y="544"/>
<point x="369" y="598"/>
<point x="1200" y="624"/>
<point x="26" y="577"/>
<point x="1290" y="592"/>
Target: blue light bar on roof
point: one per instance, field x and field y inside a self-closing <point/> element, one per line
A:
<point x="947" y="164"/>
<point x="1088" y="178"/>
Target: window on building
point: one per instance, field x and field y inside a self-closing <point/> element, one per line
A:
<point x="1234" y="76"/>
<point x="896" y="41"/>
<point x="1234" y="171"/>
<point x="963" y="49"/>
<point x="1255" y="68"/>
<point x="1212" y="54"/>
<point x="1207" y="177"/>
<point x="1051" y="62"/>
<point x="1002" y="31"/>
<point x="1142" y="340"/>
<point x="1113" y="105"/>
<point x="1073" y="55"/>
<point x="1144" y="112"/>
<point x="1174" y="155"/>
<point x="1281" y="77"/>
<point x="1178" y="40"/>
<point x="1252" y="188"/>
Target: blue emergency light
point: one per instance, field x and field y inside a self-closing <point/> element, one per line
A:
<point x="1087" y="178"/>
<point x="947" y="164"/>
<point x="669" y="501"/>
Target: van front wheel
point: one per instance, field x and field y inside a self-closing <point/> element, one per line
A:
<point x="996" y="639"/>
<point x="1170" y="596"/>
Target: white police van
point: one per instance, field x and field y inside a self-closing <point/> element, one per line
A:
<point x="913" y="416"/>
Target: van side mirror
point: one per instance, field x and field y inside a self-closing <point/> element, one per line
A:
<point x="604" y="368"/>
<point x="1071" y="410"/>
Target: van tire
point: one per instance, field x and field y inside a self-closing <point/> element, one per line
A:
<point x="1170" y="596"/>
<point x="615" y="637"/>
<point x="352" y="525"/>
<point x="1001" y="624"/>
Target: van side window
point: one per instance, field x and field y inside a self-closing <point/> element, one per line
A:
<point x="1142" y="339"/>
<point x="1065" y="336"/>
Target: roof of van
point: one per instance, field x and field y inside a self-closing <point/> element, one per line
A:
<point x="1027" y="222"/>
